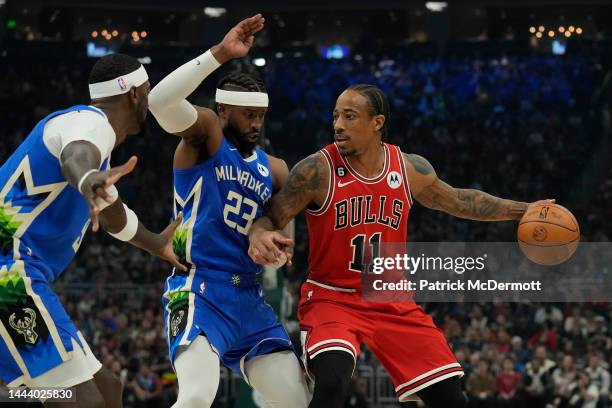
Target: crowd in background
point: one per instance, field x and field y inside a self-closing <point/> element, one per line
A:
<point x="519" y="126"/>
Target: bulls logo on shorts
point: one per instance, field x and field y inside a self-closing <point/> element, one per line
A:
<point x="394" y="179"/>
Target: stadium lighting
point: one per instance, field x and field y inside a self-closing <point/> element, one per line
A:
<point x="436" y="6"/>
<point x="578" y="30"/>
<point x="561" y="29"/>
<point x="551" y="33"/>
<point x="260" y="62"/>
<point x="94" y="34"/>
<point x="143" y="34"/>
<point x="214" y="12"/>
<point x="104" y="32"/>
<point x="539" y="35"/>
<point x="532" y="29"/>
<point x="571" y="28"/>
<point x="279" y="55"/>
<point x="541" y="29"/>
<point x="115" y="33"/>
<point x="568" y="34"/>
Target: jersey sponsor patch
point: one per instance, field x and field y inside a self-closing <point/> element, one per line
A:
<point x="263" y="170"/>
<point x="394" y="179"/>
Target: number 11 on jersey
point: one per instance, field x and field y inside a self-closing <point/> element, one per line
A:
<point x="359" y="254"/>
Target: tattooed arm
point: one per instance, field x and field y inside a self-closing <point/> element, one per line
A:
<point x="306" y="185"/>
<point x="472" y="204"/>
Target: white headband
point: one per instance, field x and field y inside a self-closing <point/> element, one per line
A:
<point x="256" y="99"/>
<point x="119" y="85"/>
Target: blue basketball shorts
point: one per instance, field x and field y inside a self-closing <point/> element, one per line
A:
<point x="36" y="334"/>
<point x="229" y="310"/>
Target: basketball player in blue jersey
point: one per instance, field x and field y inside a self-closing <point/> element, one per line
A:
<point x="216" y="314"/>
<point x="51" y="188"/>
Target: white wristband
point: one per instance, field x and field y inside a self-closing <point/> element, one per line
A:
<point x="131" y="226"/>
<point x="80" y="184"/>
<point x="112" y="193"/>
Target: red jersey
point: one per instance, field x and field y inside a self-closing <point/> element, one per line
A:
<point x="358" y="215"/>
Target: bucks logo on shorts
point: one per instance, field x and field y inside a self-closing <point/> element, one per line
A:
<point x="177" y="308"/>
<point x="18" y="312"/>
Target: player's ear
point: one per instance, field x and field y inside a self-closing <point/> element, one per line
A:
<point x="133" y="95"/>
<point x="379" y="122"/>
<point x="221" y="110"/>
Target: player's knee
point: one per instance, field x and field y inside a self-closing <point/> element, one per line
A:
<point x="457" y="400"/>
<point x="333" y="371"/>
<point x="445" y="394"/>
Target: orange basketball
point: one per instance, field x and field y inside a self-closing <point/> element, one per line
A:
<point x="548" y="234"/>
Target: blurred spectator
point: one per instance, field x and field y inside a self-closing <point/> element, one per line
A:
<point x="481" y="386"/>
<point x="508" y="382"/>
<point x="563" y="376"/>
<point x="538" y="381"/>
<point x="583" y="394"/>
<point x="148" y="388"/>
<point x="599" y="377"/>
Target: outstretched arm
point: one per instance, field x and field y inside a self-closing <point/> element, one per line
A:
<point x="471" y="204"/>
<point x="167" y="101"/>
<point x="306" y="184"/>
<point x="80" y="161"/>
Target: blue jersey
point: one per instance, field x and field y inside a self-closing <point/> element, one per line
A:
<point x="220" y="198"/>
<point x="220" y="298"/>
<point x="42" y="218"/>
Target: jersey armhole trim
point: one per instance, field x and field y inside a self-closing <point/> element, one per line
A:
<point x="330" y="186"/>
<point x="406" y="182"/>
<point x="203" y="163"/>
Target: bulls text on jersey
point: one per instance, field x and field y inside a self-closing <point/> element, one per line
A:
<point x="360" y="210"/>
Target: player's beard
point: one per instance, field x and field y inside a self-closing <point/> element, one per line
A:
<point x="236" y="137"/>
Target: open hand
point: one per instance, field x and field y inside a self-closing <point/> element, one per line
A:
<point x="239" y="40"/>
<point x="95" y="185"/>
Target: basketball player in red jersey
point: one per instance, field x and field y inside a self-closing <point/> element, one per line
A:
<point x="358" y="192"/>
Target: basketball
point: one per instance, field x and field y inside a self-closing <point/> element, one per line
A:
<point x="548" y="234"/>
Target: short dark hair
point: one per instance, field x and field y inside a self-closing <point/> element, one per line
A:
<point x="242" y="82"/>
<point x="112" y="66"/>
<point x="377" y="102"/>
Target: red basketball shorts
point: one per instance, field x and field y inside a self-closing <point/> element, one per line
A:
<point x="401" y="335"/>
